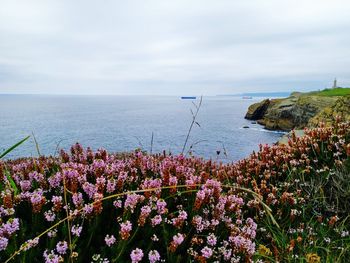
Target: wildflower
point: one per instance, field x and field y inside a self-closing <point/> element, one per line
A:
<point x="178" y="222"/>
<point x="211" y="240"/>
<point x="132" y="200"/>
<point x="76" y="230"/>
<point x="89" y="189"/>
<point x="77" y="199"/>
<point x="62" y="247"/>
<point x="161" y="207"/>
<point x="207" y="252"/>
<point x="11" y="226"/>
<point x="145" y="211"/>
<point x="3" y="243"/>
<point x="136" y="255"/>
<point x="264" y="251"/>
<point x="344" y="233"/>
<point x="178" y="239"/>
<point x="156" y="220"/>
<point x="51" y="257"/>
<point x="88" y="209"/>
<point x="153" y="256"/>
<point x="25" y="185"/>
<point x="118" y="204"/>
<point x="111" y="184"/>
<point x="50" y="216"/>
<point x="110" y="240"/>
<point x="154" y="238"/>
<point x="37" y="201"/>
<point x="125" y="229"/>
<point x="312" y="258"/>
<point x="52" y="233"/>
<point x="57" y="202"/>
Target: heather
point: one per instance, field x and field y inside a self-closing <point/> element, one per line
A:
<point x="284" y="203"/>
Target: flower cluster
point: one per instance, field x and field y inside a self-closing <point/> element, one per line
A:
<point x="143" y="207"/>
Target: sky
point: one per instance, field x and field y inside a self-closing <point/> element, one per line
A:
<point x="172" y="47"/>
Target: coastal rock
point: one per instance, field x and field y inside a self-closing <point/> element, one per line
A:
<point x="257" y="110"/>
<point x="294" y="112"/>
<point x="341" y="108"/>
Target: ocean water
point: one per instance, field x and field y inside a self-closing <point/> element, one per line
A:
<point x="123" y="123"/>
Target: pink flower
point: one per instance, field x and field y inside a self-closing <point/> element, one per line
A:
<point x="136" y="255"/>
<point x="62" y="247"/>
<point x="36" y="198"/>
<point x="156" y="220"/>
<point x="25" y="185"/>
<point x="178" y="239"/>
<point x="77" y="199"/>
<point x="110" y="240"/>
<point x="52" y="257"/>
<point x="3" y="243"/>
<point x="88" y="209"/>
<point x="118" y="204"/>
<point x="132" y="200"/>
<point x="50" y="216"/>
<point x="89" y="189"/>
<point x="207" y="252"/>
<point x="11" y="226"/>
<point x="211" y="240"/>
<point x="153" y="256"/>
<point x="125" y="229"/>
<point x="111" y="184"/>
<point x="76" y="230"/>
<point x="161" y="207"/>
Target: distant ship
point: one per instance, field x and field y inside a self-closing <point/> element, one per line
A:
<point x="247" y="97"/>
<point x="188" y="98"/>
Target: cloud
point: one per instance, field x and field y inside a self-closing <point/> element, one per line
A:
<point x="172" y="47"/>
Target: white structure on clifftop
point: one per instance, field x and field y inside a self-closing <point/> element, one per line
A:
<point x="335" y="84"/>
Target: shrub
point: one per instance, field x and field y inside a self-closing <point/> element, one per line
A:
<point x="282" y="203"/>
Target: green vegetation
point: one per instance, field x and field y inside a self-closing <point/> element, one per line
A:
<point x="333" y="92"/>
<point x="283" y="203"/>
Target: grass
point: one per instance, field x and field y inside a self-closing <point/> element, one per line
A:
<point x="333" y="92"/>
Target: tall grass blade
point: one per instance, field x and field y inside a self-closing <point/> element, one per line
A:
<point x="13" y="147"/>
<point x="36" y="145"/>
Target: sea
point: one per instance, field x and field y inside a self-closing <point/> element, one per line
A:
<point x="125" y="123"/>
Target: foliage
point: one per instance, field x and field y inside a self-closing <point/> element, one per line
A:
<point x="284" y="203"/>
<point x="334" y="92"/>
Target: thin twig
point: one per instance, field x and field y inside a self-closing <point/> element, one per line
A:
<point x="194" y="116"/>
<point x="57" y="145"/>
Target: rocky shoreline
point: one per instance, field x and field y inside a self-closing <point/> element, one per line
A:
<point x="299" y="110"/>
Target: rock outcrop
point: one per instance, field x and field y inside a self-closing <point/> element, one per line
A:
<point x="298" y="111"/>
<point x="257" y="110"/>
<point x="341" y="108"/>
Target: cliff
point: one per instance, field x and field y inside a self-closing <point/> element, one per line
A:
<point x="300" y="110"/>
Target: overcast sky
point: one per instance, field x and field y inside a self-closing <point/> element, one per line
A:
<point x="172" y="47"/>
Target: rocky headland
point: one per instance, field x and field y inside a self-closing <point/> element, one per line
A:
<point x="301" y="110"/>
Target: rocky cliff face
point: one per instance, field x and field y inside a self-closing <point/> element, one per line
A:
<point x="340" y="108"/>
<point x="298" y="111"/>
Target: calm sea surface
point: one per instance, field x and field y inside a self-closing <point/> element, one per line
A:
<point x="123" y="123"/>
